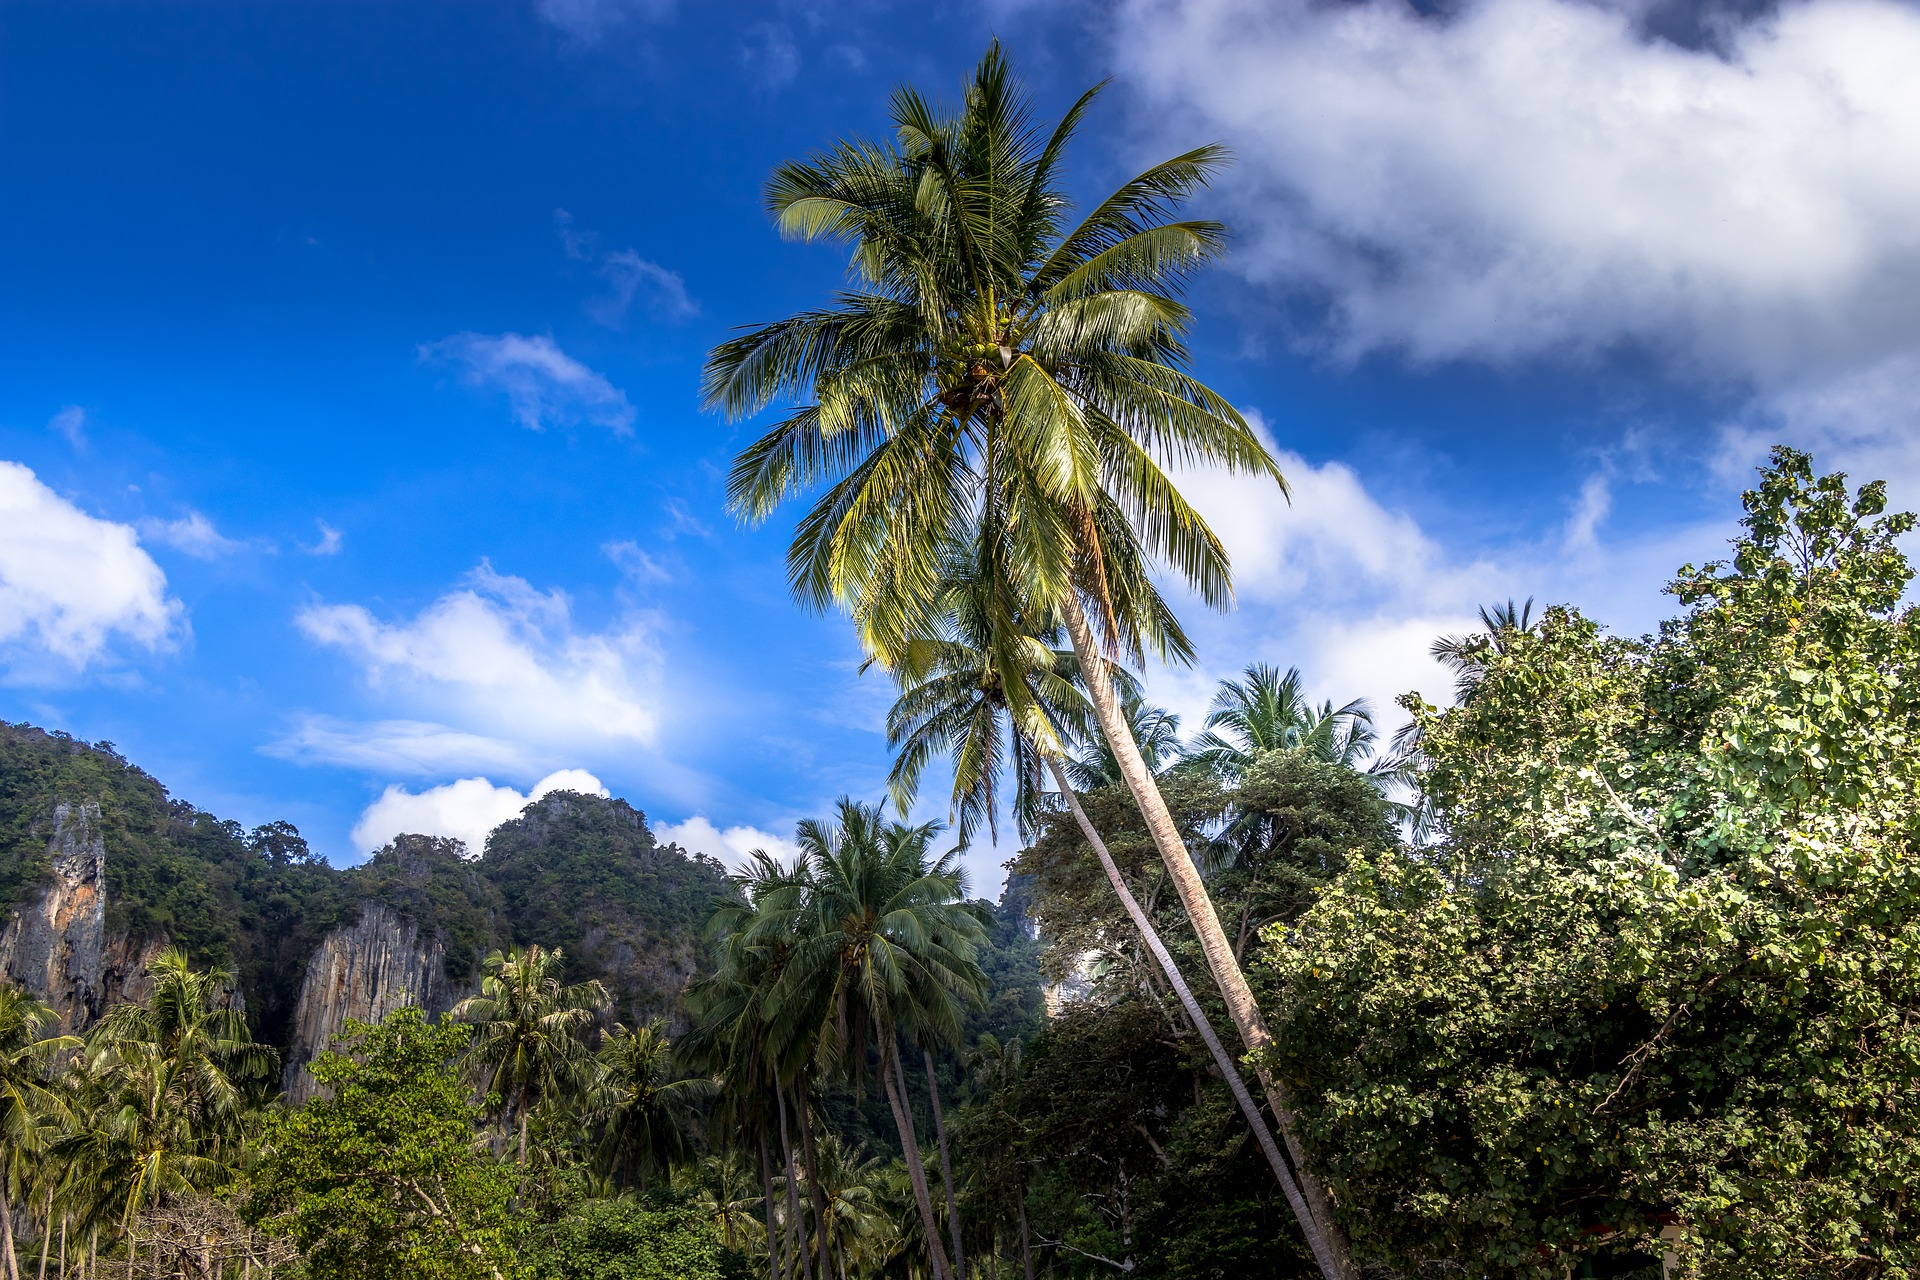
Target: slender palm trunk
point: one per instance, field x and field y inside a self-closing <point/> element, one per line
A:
<point x="946" y="1169"/>
<point x="775" y="1263"/>
<point x="6" y="1237"/>
<point x="1026" y="1236"/>
<point x="799" y="1225"/>
<point x="1206" y="921"/>
<point x="822" y="1263"/>
<point x="1255" y="1121"/>
<point x="46" y="1237"/>
<point x="895" y="1080"/>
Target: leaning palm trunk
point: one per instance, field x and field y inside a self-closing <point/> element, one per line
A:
<point x="1316" y="1239"/>
<point x="895" y="1080"/>
<point x="1214" y="943"/>
<point x="946" y="1169"/>
<point x="6" y="1238"/>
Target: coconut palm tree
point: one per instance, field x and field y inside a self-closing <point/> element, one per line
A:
<point x="646" y="1109"/>
<point x="1004" y="373"/>
<point x="1467" y="654"/>
<point x="28" y="1099"/>
<point x="883" y="947"/>
<point x="1156" y="735"/>
<point x="530" y="1033"/>
<point x="1268" y="710"/>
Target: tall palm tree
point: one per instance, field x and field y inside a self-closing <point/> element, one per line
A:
<point x="1003" y="374"/>
<point x="646" y="1108"/>
<point x="530" y="1033"/>
<point x="27" y="1099"/>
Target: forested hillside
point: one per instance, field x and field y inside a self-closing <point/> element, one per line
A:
<point x="577" y="872"/>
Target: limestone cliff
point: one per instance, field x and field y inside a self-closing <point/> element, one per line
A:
<point x="56" y="943"/>
<point x="364" y="971"/>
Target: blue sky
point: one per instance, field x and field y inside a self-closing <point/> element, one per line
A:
<point x="351" y="464"/>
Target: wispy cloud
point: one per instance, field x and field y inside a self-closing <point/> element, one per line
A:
<point x="328" y="543"/>
<point x="70" y="424"/>
<point x="635" y="563"/>
<point x="662" y="292"/>
<point x="544" y="385"/>
<point x="588" y="21"/>
<point x="193" y="534"/>
<point x="630" y="278"/>
<point x="70" y="583"/>
<point x="467" y="810"/>
<point x="770" y="55"/>
<point x="412" y="748"/>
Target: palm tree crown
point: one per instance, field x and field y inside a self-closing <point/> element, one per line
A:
<point x="998" y="372"/>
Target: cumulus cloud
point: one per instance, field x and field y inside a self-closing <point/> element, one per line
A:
<point x="732" y="846"/>
<point x="544" y="385"/>
<point x="70" y="582"/>
<point x="467" y="810"/>
<point x="498" y="657"/>
<point x="1515" y="177"/>
<point x="193" y="534"/>
<point x="1354" y="592"/>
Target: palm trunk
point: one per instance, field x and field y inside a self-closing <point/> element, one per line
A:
<point x="946" y="1169"/>
<point x="6" y="1238"/>
<point x="895" y="1080"/>
<point x="822" y="1263"/>
<point x="1026" y="1236"/>
<point x="799" y="1222"/>
<point x="46" y="1237"/>
<point x="775" y="1263"/>
<point x="1309" y="1227"/>
<point x="1206" y="921"/>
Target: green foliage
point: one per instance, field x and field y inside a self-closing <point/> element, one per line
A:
<point x="656" y="1238"/>
<point x="1663" y="963"/>
<point x="380" y="1179"/>
<point x="582" y="875"/>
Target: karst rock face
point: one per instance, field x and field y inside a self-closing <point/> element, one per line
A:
<point x="56" y="944"/>
<point x="363" y="972"/>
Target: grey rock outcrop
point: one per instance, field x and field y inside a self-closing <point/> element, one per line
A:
<point x="56" y="945"/>
<point x="364" y="972"/>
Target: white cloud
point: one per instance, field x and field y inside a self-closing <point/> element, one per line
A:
<point x="588" y="20"/>
<point x="731" y="846"/>
<point x="467" y="810"/>
<point x="545" y="385"/>
<point x="71" y="425"/>
<point x="69" y="581"/>
<point x="193" y="534"/>
<point x="412" y="747"/>
<point x="498" y="656"/>
<point x="1525" y="176"/>
<point x="329" y="543"/>
<point x="1354" y="593"/>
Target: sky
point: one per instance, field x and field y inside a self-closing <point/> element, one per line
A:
<point x="353" y="470"/>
